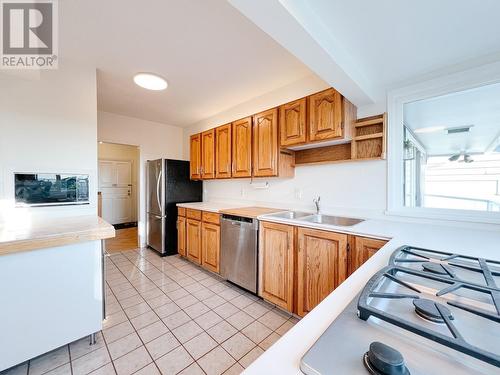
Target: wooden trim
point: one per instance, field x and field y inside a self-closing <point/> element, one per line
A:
<point x="373" y="120"/>
<point x="368" y="136"/>
<point x="181" y="211"/>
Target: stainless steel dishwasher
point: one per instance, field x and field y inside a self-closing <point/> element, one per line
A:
<point x="239" y="251"/>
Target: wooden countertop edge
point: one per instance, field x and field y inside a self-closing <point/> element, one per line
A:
<point x="102" y="231"/>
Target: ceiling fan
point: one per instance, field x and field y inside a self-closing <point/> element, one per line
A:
<point x="466" y="158"/>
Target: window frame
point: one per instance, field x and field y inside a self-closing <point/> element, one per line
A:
<point x="446" y="84"/>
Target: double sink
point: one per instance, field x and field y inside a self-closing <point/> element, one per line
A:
<point x="316" y="218"/>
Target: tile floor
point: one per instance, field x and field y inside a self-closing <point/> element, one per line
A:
<point x="168" y="316"/>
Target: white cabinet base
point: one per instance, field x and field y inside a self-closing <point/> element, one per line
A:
<point x="48" y="298"/>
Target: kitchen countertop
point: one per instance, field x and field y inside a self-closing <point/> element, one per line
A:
<point x="34" y="234"/>
<point x="251" y="212"/>
<point x="284" y="356"/>
<point x="210" y="206"/>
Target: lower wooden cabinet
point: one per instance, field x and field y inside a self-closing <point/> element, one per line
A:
<point x="181" y="236"/>
<point x="210" y="246"/>
<point x="193" y="240"/>
<point x="361" y="249"/>
<point x="321" y="266"/>
<point x="276" y="247"/>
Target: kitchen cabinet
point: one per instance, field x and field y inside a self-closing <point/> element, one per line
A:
<point x="265" y="143"/>
<point x="195" y="156"/>
<point x="193" y="240"/>
<point x="210" y="246"/>
<point x="321" y="266"/>
<point x="276" y="264"/>
<point x="331" y="116"/>
<point x="361" y="249"/>
<point x="223" y="151"/>
<point x="181" y="235"/>
<point x="292" y="123"/>
<point x="208" y="154"/>
<point x="242" y="148"/>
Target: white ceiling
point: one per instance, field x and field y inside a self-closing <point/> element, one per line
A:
<point x="384" y="43"/>
<point x="479" y="107"/>
<point x="212" y="56"/>
<point x="217" y="54"/>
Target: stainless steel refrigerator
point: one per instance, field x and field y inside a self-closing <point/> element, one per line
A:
<point x="167" y="184"/>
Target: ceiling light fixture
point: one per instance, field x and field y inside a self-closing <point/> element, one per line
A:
<point x="150" y="81"/>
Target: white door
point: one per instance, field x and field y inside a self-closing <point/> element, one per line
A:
<point x="115" y="185"/>
<point x="106" y="173"/>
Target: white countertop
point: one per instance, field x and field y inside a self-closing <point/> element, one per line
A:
<point x="211" y="206"/>
<point x="284" y="356"/>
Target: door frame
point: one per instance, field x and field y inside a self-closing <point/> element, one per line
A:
<point x="141" y="224"/>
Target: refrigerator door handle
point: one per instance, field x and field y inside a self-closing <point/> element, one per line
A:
<point x="158" y="191"/>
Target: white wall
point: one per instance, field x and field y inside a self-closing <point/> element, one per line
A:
<point x="155" y="140"/>
<point x="356" y="185"/>
<point x="47" y="124"/>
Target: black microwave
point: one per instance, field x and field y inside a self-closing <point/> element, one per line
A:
<point x="51" y="189"/>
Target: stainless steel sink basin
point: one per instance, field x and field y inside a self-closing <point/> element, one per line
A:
<point x="290" y="215"/>
<point x="331" y="220"/>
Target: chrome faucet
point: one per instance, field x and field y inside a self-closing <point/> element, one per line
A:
<point x="316" y="202"/>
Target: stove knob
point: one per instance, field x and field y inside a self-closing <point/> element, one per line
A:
<point x="381" y="359"/>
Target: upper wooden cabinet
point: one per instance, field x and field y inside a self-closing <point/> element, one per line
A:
<point x="276" y="268"/>
<point x="361" y="249"/>
<point x="265" y="143"/>
<point x="331" y="116"/>
<point x="208" y="154"/>
<point x="321" y="266"/>
<point x="292" y="120"/>
<point x="223" y="151"/>
<point x="325" y="115"/>
<point x="195" y="156"/>
<point x="242" y="148"/>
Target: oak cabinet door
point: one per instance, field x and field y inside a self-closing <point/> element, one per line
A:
<point x="242" y="148"/>
<point x="265" y="143"/>
<point x="208" y="154"/>
<point x="321" y="266"/>
<point x="193" y="240"/>
<point x="361" y="249"/>
<point x="223" y="151"/>
<point x="277" y="264"/>
<point x="210" y="246"/>
<point x="292" y="120"/>
<point x="181" y="236"/>
<point x="325" y="115"/>
<point x="195" y="156"/>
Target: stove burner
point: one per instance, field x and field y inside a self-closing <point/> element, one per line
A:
<point x="434" y="268"/>
<point x="381" y="359"/>
<point x="427" y="309"/>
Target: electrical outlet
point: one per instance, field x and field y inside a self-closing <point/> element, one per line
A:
<point x="298" y="194"/>
<point x="243" y="192"/>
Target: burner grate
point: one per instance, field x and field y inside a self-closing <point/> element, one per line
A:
<point x="445" y="264"/>
<point x="457" y="342"/>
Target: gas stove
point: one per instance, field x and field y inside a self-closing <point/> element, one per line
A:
<point x="427" y="312"/>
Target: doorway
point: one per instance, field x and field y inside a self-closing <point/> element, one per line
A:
<point x="118" y="188"/>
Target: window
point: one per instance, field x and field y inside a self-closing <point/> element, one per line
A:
<point x="444" y="150"/>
